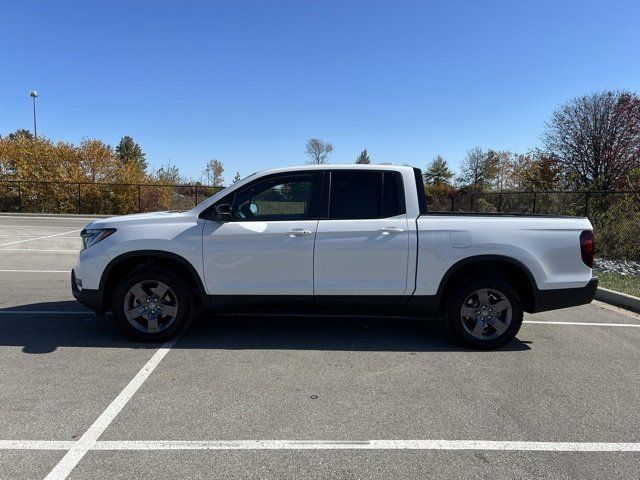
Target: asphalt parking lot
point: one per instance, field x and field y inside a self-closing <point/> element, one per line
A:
<point x="288" y="397"/>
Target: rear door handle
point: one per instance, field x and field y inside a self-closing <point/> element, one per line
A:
<point x="299" y="233"/>
<point x="388" y="230"/>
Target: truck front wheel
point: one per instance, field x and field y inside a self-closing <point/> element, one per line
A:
<point x="484" y="313"/>
<point x="152" y="304"/>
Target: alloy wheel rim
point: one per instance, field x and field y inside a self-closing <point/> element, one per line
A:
<point x="151" y="306"/>
<point x="486" y="313"/>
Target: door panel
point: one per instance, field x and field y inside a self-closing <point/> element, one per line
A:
<point x="361" y="257"/>
<point x="363" y="247"/>
<point x="267" y="247"/>
<point x="259" y="258"/>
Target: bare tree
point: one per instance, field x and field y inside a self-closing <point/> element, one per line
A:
<point x="318" y="151"/>
<point x="168" y="174"/>
<point x="535" y="170"/>
<point x="596" y="138"/>
<point x="213" y="171"/>
<point x="504" y="169"/>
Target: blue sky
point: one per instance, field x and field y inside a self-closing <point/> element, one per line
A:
<point x="248" y="82"/>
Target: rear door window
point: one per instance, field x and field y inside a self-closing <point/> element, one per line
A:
<point x="365" y="195"/>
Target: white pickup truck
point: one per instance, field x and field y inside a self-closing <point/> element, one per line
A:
<point x="338" y="239"/>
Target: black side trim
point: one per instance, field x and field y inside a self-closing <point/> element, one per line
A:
<point x="544" y="300"/>
<point x="257" y="303"/>
<point x="357" y="303"/>
<point x="424" y="303"/>
<point x="327" y="304"/>
<point x="381" y="305"/>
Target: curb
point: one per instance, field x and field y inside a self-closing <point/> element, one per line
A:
<point x="55" y="215"/>
<point x="618" y="299"/>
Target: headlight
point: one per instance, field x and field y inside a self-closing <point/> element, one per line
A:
<point x="91" y="236"/>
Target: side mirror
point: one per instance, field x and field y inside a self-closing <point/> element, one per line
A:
<point x="223" y="212"/>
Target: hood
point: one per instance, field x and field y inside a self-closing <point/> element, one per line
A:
<point x="142" y="219"/>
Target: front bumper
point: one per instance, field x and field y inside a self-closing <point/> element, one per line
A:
<point x="544" y="300"/>
<point x="87" y="297"/>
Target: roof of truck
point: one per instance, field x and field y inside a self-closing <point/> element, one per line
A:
<point x="332" y="166"/>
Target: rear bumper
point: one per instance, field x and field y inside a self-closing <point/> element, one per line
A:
<point x="88" y="298"/>
<point x="544" y="300"/>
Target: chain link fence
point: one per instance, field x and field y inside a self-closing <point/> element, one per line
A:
<point x="99" y="198"/>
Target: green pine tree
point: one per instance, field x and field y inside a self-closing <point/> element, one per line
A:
<point x="363" y="158"/>
<point x="129" y="151"/>
<point x="438" y="172"/>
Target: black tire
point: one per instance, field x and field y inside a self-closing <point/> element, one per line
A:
<point x="460" y="326"/>
<point x="178" y="288"/>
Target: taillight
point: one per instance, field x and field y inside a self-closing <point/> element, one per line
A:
<point x="587" y="247"/>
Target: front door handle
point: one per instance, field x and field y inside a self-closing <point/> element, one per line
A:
<point x="388" y="230"/>
<point x="299" y="233"/>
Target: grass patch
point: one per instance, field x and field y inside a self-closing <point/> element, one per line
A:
<point x="620" y="283"/>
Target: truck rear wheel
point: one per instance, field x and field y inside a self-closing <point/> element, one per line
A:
<point x="152" y="304"/>
<point x="484" y="313"/>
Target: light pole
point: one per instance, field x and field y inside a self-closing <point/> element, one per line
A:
<point x="33" y="94"/>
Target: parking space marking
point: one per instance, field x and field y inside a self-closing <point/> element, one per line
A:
<point x="369" y="445"/>
<point x="590" y="324"/>
<point x="88" y="439"/>
<point x="39" y="238"/>
<point x="36" y="226"/>
<point x="32" y="250"/>
<point x="35" y="445"/>
<point x="164" y="445"/>
<point x="33" y="237"/>
<point x="61" y="218"/>
<point x="36" y="271"/>
<point x="46" y="312"/>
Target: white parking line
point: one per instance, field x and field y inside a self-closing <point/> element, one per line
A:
<point x="37" y="271"/>
<point x="370" y="445"/>
<point x="45" y="312"/>
<point x="35" y="445"/>
<point x="39" y="238"/>
<point x="36" y="226"/>
<point x="142" y="445"/>
<point x="62" y="218"/>
<point x="32" y="250"/>
<point x="88" y="439"/>
<point x="589" y="324"/>
<point x="34" y="236"/>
